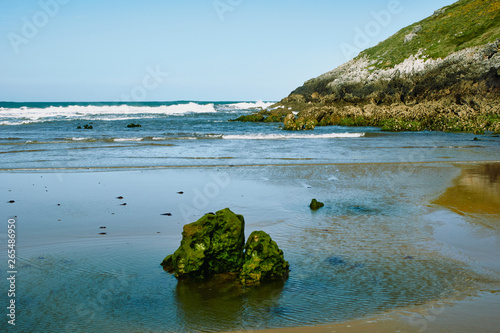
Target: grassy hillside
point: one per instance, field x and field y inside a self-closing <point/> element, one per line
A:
<point x="464" y="24"/>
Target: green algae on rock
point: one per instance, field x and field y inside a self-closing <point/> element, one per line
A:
<point x="215" y="245"/>
<point x="263" y="260"/>
<point x="315" y="204"/>
<point x="267" y="116"/>
<point x="291" y="123"/>
<point x="212" y="245"/>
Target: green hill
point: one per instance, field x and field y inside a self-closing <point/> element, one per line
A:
<point x="464" y="24"/>
<point x="442" y="73"/>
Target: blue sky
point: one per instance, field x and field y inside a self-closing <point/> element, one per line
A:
<point x="163" y="50"/>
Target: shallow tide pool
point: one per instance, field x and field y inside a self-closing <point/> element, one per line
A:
<point x="372" y="248"/>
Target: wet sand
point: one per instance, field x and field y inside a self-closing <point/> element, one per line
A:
<point x="61" y="210"/>
<point x="475" y="196"/>
<point x="478" y="313"/>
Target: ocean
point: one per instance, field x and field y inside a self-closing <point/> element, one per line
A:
<point x="188" y="133"/>
<point x="96" y="210"/>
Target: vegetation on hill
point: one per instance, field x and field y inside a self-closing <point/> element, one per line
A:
<point x="464" y="24"/>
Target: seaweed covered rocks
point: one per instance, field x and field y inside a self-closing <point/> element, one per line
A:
<point x="263" y="259"/>
<point x="215" y="244"/>
<point x="315" y="204"/>
<point x="212" y="245"/>
<point x="267" y="116"/>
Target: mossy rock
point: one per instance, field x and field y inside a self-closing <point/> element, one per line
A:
<point x="315" y="204"/>
<point x="255" y="117"/>
<point x="132" y="125"/>
<point x="263" y="260"/>
<point x="274" y="118"/>
<point x="212" y="245"/>
<point x="290" y="123"/>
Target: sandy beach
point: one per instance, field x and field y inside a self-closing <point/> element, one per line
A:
<point x="85" y="232"/>
<point x="245" y="166"/>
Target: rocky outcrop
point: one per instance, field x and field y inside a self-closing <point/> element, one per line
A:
<point x="442" y="73"/>
<point x="412" y="34"/>
<point x="215" y="245"/>
<point x="212" y="245"/>
<point x="263" y="260"/>
<point x="276" y="115"/>
<point x="418" y="78"/>
<point x="458" y="93"/>
<point x="292" y="123"/>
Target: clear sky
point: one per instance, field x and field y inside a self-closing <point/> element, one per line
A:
<point x="163" y="50"/>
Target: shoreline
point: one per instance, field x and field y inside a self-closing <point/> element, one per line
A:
<point x="446" y="315"/>
<point x="224" y="166"/>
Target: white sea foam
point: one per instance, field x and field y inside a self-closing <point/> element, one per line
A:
<point x="251" y="105"/>
<point x="24" y="115"/>
<point x="127" y="139"/>
<point x="261" y="136"/>
<point x="79" y="139"/>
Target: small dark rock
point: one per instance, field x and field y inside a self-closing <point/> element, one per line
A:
<point x="102" y="228"/>
<point x="180" y="192"/>
<point x="315" y="204"/>
<point x="120" y="197"/>
<point x="167" y="214"/>
<point x="102" y="233"/>
<point x="11" y="201"/>
<point x="476" y="139"/>
<point x="79" y="127"/>
<point x="123" y="204"/>
<point x="132" y="125"/>
<point x="335" y="261"/>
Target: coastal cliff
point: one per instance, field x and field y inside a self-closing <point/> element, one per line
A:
<point x="442" y="73"/>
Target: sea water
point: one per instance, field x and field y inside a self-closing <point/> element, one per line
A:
<point x="371" y="249"/>
<point x="46" y="135"/>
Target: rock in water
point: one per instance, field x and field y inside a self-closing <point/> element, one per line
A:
<point x="315" y="204"/>
<point x="263" y="260"/>
<point x="215" y="245"/>
<point x="212" y="245"/>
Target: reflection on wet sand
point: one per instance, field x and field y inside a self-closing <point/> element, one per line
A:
<point x="475" y="191"/>
<point x="222" y="302"/>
